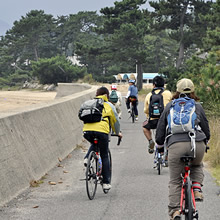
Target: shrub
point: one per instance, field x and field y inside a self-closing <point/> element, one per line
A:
<point x="56" y="69"/>
<point x="88" y="79"/>
<point x="105" y="79"/>
<point x="4" y="82"/>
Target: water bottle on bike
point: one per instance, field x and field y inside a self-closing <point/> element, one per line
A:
<point x="99" y="165"/>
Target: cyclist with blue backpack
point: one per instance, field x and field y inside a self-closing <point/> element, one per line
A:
<point x="184" y="128"/>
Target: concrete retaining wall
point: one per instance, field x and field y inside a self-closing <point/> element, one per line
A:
<point x="65" y="89"/>
<point x="32" y="140"/>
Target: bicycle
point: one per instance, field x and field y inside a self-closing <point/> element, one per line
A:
<point x="187" y="200"/>
<point x="159" y="160"/>
<point x="132" y="113"/>
<point x="132" y="101"/>
<point x="94" y="169"/>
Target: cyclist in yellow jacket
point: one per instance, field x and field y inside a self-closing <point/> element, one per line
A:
<point x="101" y="130"/>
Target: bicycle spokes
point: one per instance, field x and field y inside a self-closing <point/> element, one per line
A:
<point x="91" y="176"/>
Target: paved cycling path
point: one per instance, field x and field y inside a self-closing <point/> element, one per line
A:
<point x="137" y="191"/>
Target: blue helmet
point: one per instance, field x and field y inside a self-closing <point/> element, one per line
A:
<point x="131" y="81"/>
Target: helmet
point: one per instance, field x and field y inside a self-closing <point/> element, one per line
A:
<point x="113" y="87"/>
<point x="131" y="81"/>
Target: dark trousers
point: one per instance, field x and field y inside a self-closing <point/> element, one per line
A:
<point x="103" y="141"/>
<point x="134" y="103"/>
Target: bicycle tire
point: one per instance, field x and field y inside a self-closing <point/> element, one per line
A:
<point x="132" y="115"/>
<point x="110" y="168"/>
<point x="159" y="166"/>
<point x="188" y="201"/>
<point x="91" y="177"/>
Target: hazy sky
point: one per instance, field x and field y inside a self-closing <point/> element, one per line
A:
<point x="11" y="10"/>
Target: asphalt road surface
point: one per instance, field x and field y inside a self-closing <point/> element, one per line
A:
<point x="138" y="192"/>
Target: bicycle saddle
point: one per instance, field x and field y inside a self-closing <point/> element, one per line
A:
<point x="186" y="158"/>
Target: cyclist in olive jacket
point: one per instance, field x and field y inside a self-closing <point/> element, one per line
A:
<point x="180" y="145"/>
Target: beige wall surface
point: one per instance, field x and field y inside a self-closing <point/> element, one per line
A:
<point x="32" y="140"/>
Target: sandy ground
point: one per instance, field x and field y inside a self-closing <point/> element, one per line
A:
<point x="10" y="100"/>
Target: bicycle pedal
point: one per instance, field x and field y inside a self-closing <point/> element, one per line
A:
<point x="105" y="191"/>
<point x="82" y="179"/>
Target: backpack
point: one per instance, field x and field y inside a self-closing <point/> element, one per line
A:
<point x="156" y="105"/>
<point x="91" y="111"/>
<point x="182" y="116"/>
<point x="113" y="97"/>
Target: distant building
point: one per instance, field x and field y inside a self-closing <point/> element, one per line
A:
<point x="147" y="77"/>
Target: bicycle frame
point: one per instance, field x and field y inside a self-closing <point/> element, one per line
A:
<point x="99" y="170"/>
<point x="94" y="169"/>
<point x="186" y="181"/>
<point x="159" y="160"/>
<point x="132" y="100"/>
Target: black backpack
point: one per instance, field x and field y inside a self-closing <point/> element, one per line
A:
<point x="91" y="110"/>
<point x="156" y="105"/>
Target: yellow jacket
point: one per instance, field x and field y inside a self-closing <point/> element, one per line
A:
<point x="167" y="97"/>
<point x="110" y="117"/>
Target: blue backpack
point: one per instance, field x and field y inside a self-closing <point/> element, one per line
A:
<point x="182" y="116"/>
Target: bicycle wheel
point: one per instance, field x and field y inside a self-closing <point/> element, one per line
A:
<point x="91" y="178"/>
<point x="110" y="168"/>
<point x="159" y="166"/>
<point x="188" y="201"/>
<point x="132" y="114"/>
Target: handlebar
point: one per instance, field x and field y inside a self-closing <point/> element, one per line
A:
<point x="119" y="138"/>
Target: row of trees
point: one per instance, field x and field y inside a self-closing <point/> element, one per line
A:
<point x="122" y="38"/>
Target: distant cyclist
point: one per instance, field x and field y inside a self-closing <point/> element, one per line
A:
<point x="132" y="96"/>
<point x="101" y="130"/>
<point x="116" y="99"/>
<point x="179" y="144"/>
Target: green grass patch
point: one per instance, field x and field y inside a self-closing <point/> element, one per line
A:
<point x="10" y="88"/>
<point x="144" y="91"/>
<point x="142" y="94"/>
<point x="216" y="174"/>
<point x="213" y="155"/>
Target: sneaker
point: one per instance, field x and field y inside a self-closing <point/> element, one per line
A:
<point x="85" y="162"/>
<point x="106" y="186"/>
<point x="165" y="164"/>
<point x="136" y="119"/>
<point x="176" y="215"/>
<point x="198" y="196"/>
<point x="151" y="146"/>
<point x="129" y="110"/>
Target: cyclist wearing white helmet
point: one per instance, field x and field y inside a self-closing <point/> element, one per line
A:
<point x="116" y="99"/>
<point x="132" y="96"/>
